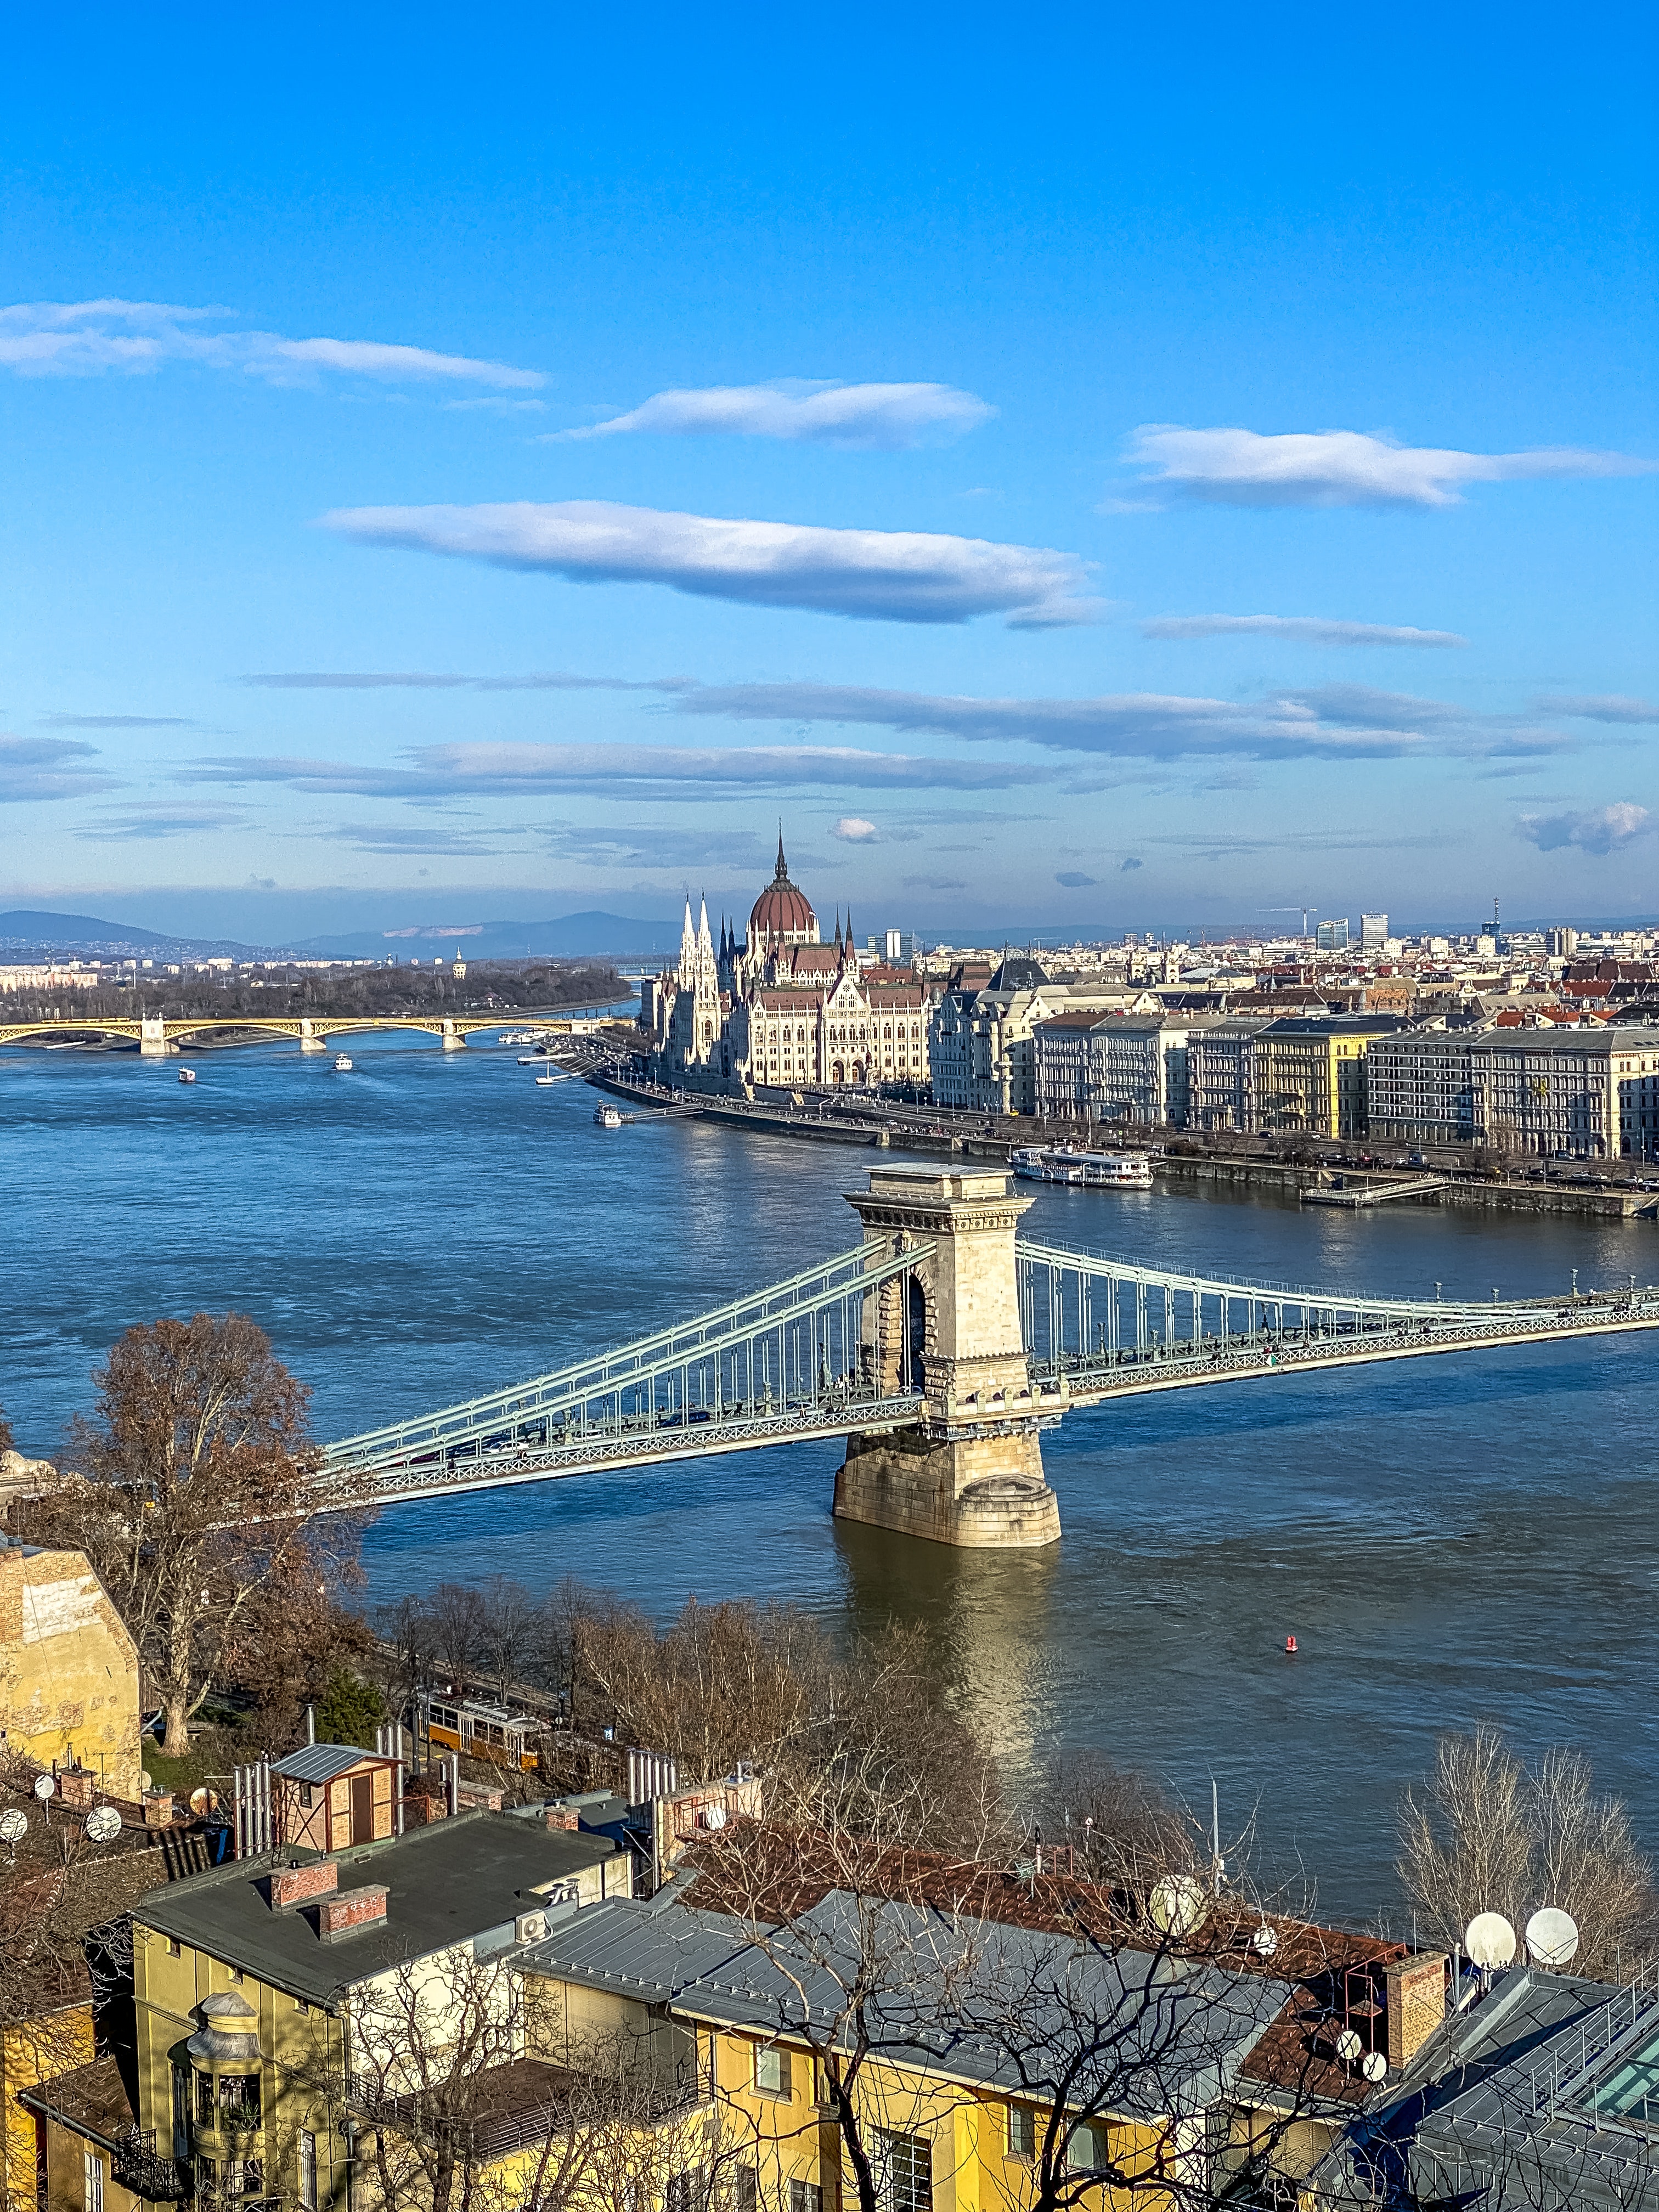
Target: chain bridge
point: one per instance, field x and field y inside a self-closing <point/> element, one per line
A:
<point x="158" y="1034"/>
<point x="940" y="1347"/>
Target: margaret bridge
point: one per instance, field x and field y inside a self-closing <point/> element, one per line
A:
<point x="940" y="1346"/>
<point x="158" y="1034"/>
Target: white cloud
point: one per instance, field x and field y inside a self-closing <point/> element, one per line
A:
<point x="88" y="337"/>
<point x="1607" y="707"/>
<point x="1298" y="629"/>
<point x="854" y="829"/>
<point x="48" y="768"/>
<point x="883" y="575"/>
<point x="1598" y="829"/>
<point x="523" y="770"/>
<point x="886" y="415"/>
<point x="1329" y="722"/>
<point x="152" y="823"/>
<point x="1340" y="468"/>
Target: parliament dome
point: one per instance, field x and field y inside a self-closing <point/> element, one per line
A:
<point x="782" y="914"/>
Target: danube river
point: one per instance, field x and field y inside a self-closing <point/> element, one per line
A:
<point x="1448" y="1540"/>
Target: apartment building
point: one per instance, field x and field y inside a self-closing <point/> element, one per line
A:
<point x="1308" y="1075"/>
<point x="1219" y="1087"/>
<point x="1584" y="1094"/>
<point x="1125" y="1068"/>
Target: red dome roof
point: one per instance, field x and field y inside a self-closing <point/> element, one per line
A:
<point x="782" y="913"/>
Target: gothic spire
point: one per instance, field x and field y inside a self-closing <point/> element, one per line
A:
<point x="782" y="874"/>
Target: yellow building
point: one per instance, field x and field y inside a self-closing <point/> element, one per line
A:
<point x="68" y="1670"/>
<point x="1308" y="1075"/>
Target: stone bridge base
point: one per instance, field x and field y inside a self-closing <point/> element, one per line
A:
<point x="983" y="1491"/>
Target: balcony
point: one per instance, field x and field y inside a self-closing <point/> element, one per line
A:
<point x="147" y="2172"/>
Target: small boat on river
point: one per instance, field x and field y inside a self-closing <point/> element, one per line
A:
<point x="343" y="1063"/>
<point x="607" y="1117"/>
<point x="1083" y="1171"/>
<point x="187" y="1075"/>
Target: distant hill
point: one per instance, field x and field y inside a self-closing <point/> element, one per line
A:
<point x="571" y="936"/>
<point x="25" y="933"/>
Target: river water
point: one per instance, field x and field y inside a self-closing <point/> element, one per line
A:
<point x="1448" y="1540"/>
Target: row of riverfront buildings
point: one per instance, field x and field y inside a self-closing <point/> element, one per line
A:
<point x="778" y="1013"/>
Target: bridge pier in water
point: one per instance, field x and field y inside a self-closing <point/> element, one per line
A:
<point x="970" y="1471"/>
<point x="152" y="1038"/>
<point x="309" y="1040"/>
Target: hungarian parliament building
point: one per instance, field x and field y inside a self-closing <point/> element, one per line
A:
<point x="781" y="1009"/>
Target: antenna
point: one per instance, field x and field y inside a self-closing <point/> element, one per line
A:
<point x="1176" y="1903"/>
<point x="1348" y="2046"/>
<point x="14" y="1827"/>
<point x="1490" y="1941"/>
<point x="103" y="1824"/>
<point x="1373" y="2066"/>
<point x="1217" y="1864"/>
<point x="1552" y="1937"/>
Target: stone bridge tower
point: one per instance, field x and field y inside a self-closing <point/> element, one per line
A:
<point x="970" y="1471"/>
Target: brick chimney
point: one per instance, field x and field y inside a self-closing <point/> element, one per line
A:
<point x="1413" y="2003"/>
<point x="352" y="1909"/>
<point x="291" y="1885"/>
<point x="563" y="1817"/>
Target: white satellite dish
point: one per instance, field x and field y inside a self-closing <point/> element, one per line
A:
<point x="43" y="1786"/>
<point x="1373" y="2066"/>
<point x="1552" y="1937"/>
<point x="714" y="1816"/>
<point x="14" y="1826"/>
<point x="1348" y="2046"/>
<point x="1264" y="1942"/>
<point x="1489" y="1939"/>
<point x="1177" y="1903"/>
<point x="103" y="1824"/>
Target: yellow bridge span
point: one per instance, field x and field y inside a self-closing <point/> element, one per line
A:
<point x="157" y="1034"/>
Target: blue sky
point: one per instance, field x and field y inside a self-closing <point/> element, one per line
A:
<point x="1102" y="472"/>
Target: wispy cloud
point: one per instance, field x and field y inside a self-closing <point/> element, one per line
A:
<point x="418" y="680"/>
<point x="1598" y="829"/>
<point x="854" y="829"/>
<point x="523" y="770"/>
<point x="1339" y="468"/>
<point x="1072" y="879"/>
<point x="933" y="883"/>
<point x="380" y="837"/>
<point x="720" y="850"/>
<point x="1606" y="707"/>
<point x="1329" y="722"/>
<point x="49" y="767"/>
<point x="91" y="338"/>
<point x="885" y="415"/>
<point x="1298" y="629"/>
<point x="146" y="823"/>
<point x="885" y="575"/>
<point x="118" y="721"/>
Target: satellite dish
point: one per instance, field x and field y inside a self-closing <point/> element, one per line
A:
<point x="103" y="1824"/>
<point x="144" y="1780"/>
<point x="714" y="1816"/>
<point x="1489" y="1939"/>
<point x="1348" y="2046"/>
<point x="14" y="1826"/>
<point x="1552" y="1937"/>
<point x="1264" y="1942"/>
<point x="1177" y="1903"/>
<point x="1373" y="2066"/>
<point x="43" y="1786"/>
<point x="202" y="1801"/>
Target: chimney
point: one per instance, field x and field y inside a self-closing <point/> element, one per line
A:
<point x="352" y="1909"/>
<point x="563" y="1817"/>
<point x="291" y="1885"/>
<point x="1414" y="2002"/>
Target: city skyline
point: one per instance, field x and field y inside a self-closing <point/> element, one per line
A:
<point x="1070" y="507"/>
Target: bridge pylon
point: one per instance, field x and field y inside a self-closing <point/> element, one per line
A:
<point x="970" y="1471"/>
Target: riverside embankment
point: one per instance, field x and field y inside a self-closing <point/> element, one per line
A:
<point x="923" y="1130"/>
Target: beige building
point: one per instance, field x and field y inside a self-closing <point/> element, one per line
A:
<point x="68" y="1670"/>
<point x="1309" y="1076"/>
<point x="1585" y="1093"/>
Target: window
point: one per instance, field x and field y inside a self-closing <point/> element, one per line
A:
<point x="204" y="2100"/>
<point x="175" y="1950"/>
<point x="745" y="2189"/>
<point x="92" y="2181"/>
<point x="805" y="2197"/>
<point x="904" y="2171"/>
<point x="308" y="1796"/>
<point x="238" y="2099"/>
<point x="771" y="2069"/>
<point x="1022" y="2131"/>
<point x="307" y="2171"/>
<point x="1085" y="2151"/>
<point x="684" y="2192"/>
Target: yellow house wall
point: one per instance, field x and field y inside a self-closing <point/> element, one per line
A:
<point x="66" y="2175"/>
<point x="167" y="1989"/>
<point x="69" y="1672"/>
<point x="32" y="2052"/>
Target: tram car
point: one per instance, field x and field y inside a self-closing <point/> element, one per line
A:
<point x="480" y="1731"/>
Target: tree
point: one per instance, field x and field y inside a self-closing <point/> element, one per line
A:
<point x="1120" y="1823"/>
<point x="1487" y="1833"/>
<point x="201" y="1504"/>
<point x="509" y="1629"/>
<point x="350" y="1710"/>
<point x="456" y="1611"/>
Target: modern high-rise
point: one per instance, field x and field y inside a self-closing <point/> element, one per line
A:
<point x="1332" y="936"/>
<point x="1373" y="932"/>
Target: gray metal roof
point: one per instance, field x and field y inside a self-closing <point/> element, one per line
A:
<point x="460" y="1881"/>
<point x="1167" y="2040"/>
<point x="321" y="1762"/>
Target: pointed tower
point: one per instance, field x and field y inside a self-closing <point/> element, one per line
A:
<point x="850" y="957"/>
<point x="688" y="949"/>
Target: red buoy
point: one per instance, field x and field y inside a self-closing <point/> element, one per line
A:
<point x="1289" y="1644"/>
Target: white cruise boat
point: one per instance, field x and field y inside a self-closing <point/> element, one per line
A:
<point x="1083" y="1171"/>
<point x="608" y="1117"/>
<point x="187" y="1075"/>
<point x="343" y="1063"/>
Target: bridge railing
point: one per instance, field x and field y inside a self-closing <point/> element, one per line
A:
<point x="798" y="1344"/>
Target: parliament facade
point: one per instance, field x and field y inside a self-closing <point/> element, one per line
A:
<point x="780" y="1010"/>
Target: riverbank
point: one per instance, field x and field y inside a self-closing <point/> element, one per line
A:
<point x="914" y="1128"/>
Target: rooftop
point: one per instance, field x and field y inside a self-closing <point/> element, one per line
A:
<point x="462" y="1878"/>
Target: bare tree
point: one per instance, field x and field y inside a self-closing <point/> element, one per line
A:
<point x="198" y="1506"/>
<point x="456" y="1611"/>
<point x="509" y="1629"/>
<point x="1121" y="1825"/>
<point x="408" y="1638"/>
<point x="1486" y="1833"/>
